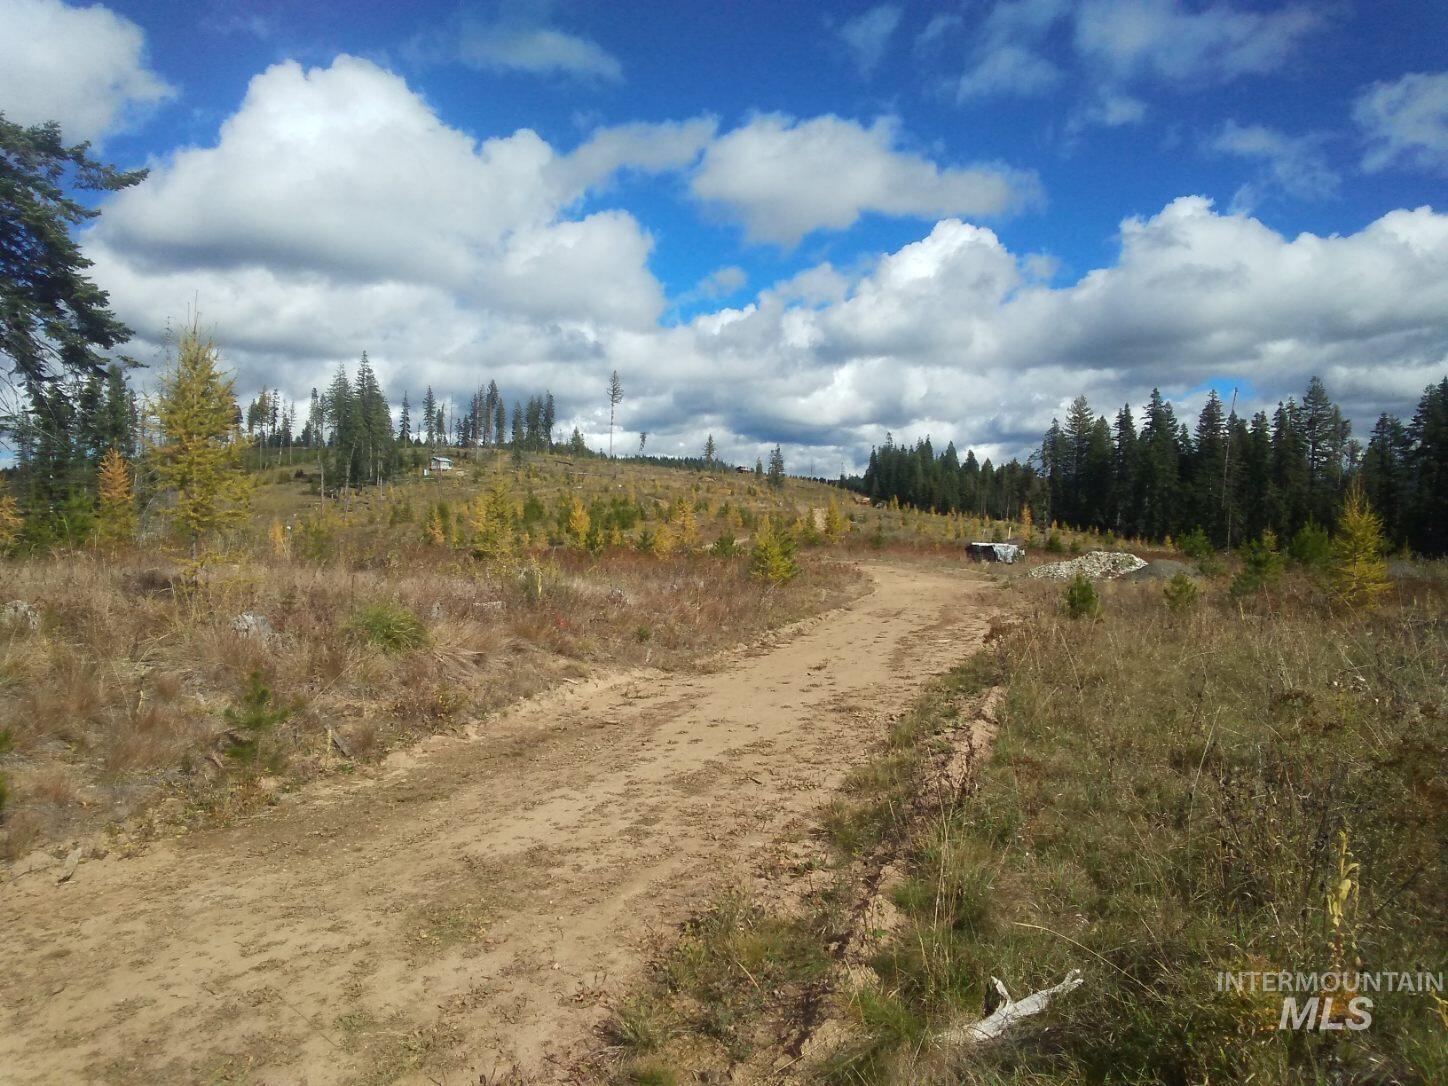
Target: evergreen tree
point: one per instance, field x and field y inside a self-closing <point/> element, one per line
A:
<point x="52" y="311"/>
<point x="1125" y="478"/>
<point x="1159" y="477"/>
<point x="1289" y="470"/>
<point x="1385" y="475"/>
<point x="709" y="452"/>
<point x="615" y="397"/>
<point x="775" y="475"/>
<point x="1207" y="501"/>
<point x="404" y="427"/>
<point x="1428" y="462"/>
<point x="429" y="418"/>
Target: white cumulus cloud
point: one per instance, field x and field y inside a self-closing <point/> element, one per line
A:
<point x="84" y="67"/>
<point x="784" y="178"/>
<point x="336" y="214"/>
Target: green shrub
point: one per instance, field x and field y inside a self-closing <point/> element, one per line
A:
<point x="1195" y="545"/>
<point x="1181" y="593"/>
<point x="1262" y="564"/>
<point x="1081" y="598"/>
<point x="1054" y="543"/>
<point x="726" y="546"/>
<point x="250" y="721"/>
<point x="389" y="627"/>
<point x="1311" y="547"/>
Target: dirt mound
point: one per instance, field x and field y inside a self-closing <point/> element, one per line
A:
<point x="1096" y="566"/>
<point x="1163" y="569"/>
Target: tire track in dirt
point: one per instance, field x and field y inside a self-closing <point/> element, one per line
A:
<point x="469" y="908"/>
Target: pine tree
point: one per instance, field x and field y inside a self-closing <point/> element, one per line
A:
<point x="1385" y="475"/>
<point x="404" y="427"/>
<point x="1325" y="435"/>
<point x="492" y="524"/>
<point x="550" y="420"/>
<point x="775" y="476"/>
<point x="709" y="451"/>
<point x="1124" y="475"/>
<point x="116" y="510"/>
<point x="1428" y="460"/>
<point x="772" y="555"/>
<point x="53" y="313"/>
<point x="1159" y="478"/>
<point x="429" y="418"/>
<point x="199" y="458"/>
<point x="10" y="522"/>
<point x="1359" y="573"/>
<point x="1207" y="504"/>
<point x="615" y="397"/>
<point x="578" y="521"/>
<point x="835" y="525"/>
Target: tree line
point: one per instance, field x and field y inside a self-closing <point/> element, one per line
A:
<point x="1234" y="478"/>
<point x="917" y="476"/>
<point x="1229" y="477"/>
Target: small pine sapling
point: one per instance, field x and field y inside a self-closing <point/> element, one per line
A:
<point x="1081" y="598"/>
<point x="252" y="720"/>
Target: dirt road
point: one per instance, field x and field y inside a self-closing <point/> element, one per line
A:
<point x="471" y="906"/>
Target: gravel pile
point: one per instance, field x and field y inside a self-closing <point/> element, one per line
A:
<point x="1095" y="566"/>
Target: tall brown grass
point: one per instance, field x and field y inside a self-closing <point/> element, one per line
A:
<point x="115" y="705"/>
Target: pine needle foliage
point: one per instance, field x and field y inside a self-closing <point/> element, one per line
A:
<point x="772" y="555"/>
<point x="1359" y="573"/>
<point x="492" y="521"/>
<point x="252" y="720"/>
<point x="1081" y="598"/>
<point x="115" y="504"/>
<point x="10" y="522"/>
<point x="199" y="459"/>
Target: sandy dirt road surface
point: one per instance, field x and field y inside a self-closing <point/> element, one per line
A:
<point x="471" y="907"/>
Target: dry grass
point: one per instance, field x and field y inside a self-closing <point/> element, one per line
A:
<point x="115" y="704"/>
<point x="1164" y="801"/>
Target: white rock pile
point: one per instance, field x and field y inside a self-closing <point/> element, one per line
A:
<point x="1096" y="566"/>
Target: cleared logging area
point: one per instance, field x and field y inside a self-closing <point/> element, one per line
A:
<point x="1172" y="793"/>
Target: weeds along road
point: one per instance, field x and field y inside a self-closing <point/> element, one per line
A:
<point x="470" y="907"/>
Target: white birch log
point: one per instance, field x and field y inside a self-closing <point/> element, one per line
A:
<point x="1010" y="1012"/>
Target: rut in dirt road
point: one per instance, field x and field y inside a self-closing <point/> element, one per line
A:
<point x="471" y="906"/>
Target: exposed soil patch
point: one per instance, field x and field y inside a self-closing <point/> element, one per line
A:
<point x="470" y="907"/>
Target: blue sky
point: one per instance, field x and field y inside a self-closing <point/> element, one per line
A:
<point x="793" y="222"/>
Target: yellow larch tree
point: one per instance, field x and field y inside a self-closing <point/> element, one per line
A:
<point x="10" y="522"/>
<point x="199" y="457"/>
<point x="1359" y="573"/>
<point x="115" y="504"/>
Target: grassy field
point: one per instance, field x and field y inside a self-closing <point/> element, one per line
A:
<point x="156" y="691"/>
<point x="1229" y="784"/>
